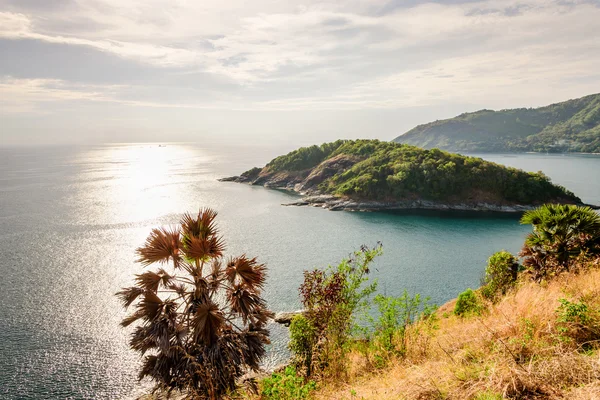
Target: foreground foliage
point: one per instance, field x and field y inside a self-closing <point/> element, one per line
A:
<point x="287" y="385"/>
<point x="512" y="339"/>
<point x="467" y="304"/>
<point x="331" y="299"/>
<point x="500" y="275"/>
<point x="562" y="235"/>
<point x="201" y="321"/>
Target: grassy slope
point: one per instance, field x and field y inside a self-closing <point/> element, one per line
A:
<point x="573" y="125"/>
<point x="513" y="351"/>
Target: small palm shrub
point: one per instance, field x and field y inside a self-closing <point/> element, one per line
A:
<point x="500" y="275"/>
<point x="562" y="234"/>
<point x="200" y="319"/>
<point x="468" y="304"/>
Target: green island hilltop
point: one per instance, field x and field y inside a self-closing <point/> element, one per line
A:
<point x="369" y="175"/>
<point x="567" y="127"/>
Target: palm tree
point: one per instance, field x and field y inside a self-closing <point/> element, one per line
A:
<point x="561" y="233"/>
<point x="200" y="319"/>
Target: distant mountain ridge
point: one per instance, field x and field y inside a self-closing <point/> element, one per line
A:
<point x="570" y="126"/>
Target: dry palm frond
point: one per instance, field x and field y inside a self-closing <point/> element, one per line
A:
<point x="246" y="271"/>
<point x="150" y="305"/>
<point x="129" y="295"/>
<point x="244" y="302"/>
<point x="202" y="226"/>
<point x="161" y="246"/>
<point x="149" y="281"/>
<point x="207" y="322"/>
<point x="203" y="248"/>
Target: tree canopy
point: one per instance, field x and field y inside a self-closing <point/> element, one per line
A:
<point x="392" y="171"/>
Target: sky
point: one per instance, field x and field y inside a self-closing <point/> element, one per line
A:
<point x="273" y="71"/>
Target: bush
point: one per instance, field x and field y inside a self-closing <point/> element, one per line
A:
<point x="286" y="385"/>
<point x="489" y="395"/>
<point x="201" y="323"/>
<point x="500" y="275"/>
<point x="330" y="298"/>
<point x="468" y="304"/>
<point x="577" y="322"/>
<point x="302" y="340"/>
<point x="395" y="315"/>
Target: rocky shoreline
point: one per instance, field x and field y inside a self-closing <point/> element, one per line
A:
<point x="313" y="198"/>
<point x="334" y="203"/>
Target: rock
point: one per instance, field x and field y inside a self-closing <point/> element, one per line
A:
<point x="230" y="179"/>
<point x="285" y="318"/>
<point x="296" y="203"/>
<point x="334" y="203"/>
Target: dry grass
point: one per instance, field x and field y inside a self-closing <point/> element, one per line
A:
<point x="515" y="350"/>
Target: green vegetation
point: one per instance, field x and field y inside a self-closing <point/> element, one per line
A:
<point x="201" y="324"/>
<point x="500" y="275"/>
<point x="304" y="158"/>
<point x="489" y="396"/>
<point x="331" y="298"/>
<point x="578" y="322"/>
<point x="396" y="314"/>
<point x="286" y="385"/>
<point x="388" y="171"/>
<point x="562" y="234"/>
<point x="570" y="126"/>
<point x="520" y="340"/>
<point x="468" y="304"/>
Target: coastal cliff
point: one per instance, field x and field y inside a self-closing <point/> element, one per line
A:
<point x="370" y="175"/>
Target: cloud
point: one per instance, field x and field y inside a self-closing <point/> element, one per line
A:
<point x="321" y="55"/>
<point x="25" y="95"/>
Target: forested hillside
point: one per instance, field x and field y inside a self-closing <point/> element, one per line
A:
<point x="387" y="171"/>
<point x="570" y="126"/>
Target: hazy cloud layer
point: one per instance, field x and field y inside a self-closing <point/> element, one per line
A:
<point x="270" y="56"/>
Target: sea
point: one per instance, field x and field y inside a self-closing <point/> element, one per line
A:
<point x="72" y="217"/>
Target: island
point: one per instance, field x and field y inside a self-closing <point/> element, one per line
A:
<point x="373" y="175"/>
<point x="572" y="126"/>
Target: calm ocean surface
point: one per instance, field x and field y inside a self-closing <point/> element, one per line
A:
<point x="71" y="218"/>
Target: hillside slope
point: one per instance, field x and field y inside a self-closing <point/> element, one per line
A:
<point x="570" y="126"/>
<point x="521" y="348"/>
<point x="370" y="175"/>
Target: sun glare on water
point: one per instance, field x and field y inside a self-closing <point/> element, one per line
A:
<point x="140" y="182"/>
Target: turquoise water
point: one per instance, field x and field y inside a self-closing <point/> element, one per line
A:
<point x="71" y="218"/>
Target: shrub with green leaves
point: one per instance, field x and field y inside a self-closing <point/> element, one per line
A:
<point x="500" y="275"/>
<point x="468" y="304"/>
<point x="331" y="297"/>
<point x="395" y="315"/>
<point x="488" y="395"/>
<point x="302" y="340"/>
<point x="577" y="322"/>
<point x="287" y="385"/>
